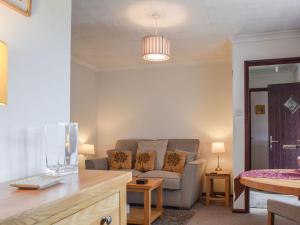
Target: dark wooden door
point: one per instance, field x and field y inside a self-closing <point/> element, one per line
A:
<point x="284" y="125"/>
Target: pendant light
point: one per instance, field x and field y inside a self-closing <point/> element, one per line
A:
<point x="156" y="47"/>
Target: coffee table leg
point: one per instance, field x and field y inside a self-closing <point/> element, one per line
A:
<point x="147" y="207"/>
<point x="159" y="202"/>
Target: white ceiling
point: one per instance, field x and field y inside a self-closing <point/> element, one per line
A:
<point x="107" y="33"/>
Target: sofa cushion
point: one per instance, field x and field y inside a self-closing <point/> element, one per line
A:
<point x="119" y="159"/>
<point x="160" y="148"/>
<point x="189" y="145"/>
<point x="190" y="156"/>
<point x="145" y="161"/>
<point x="171" y="181"/>
<point x="174" y="161"/>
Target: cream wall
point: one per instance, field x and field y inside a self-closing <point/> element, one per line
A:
<point x="39" y="83"/>
<point x="178" y="101"/>
<point x="84" y="102"/>
<point x="267" y="46"/>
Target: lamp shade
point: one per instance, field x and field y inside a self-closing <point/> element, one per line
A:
<point x="156" y="48"/>
<point x="3" y="73"/>
<point x="87" y="149"/>
<point x="217" y="147"/>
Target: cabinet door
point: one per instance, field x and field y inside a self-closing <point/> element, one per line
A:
<point x="93" y="214"/>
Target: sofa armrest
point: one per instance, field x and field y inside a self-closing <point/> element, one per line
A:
<point x="198" y="162"/>
<point x="192" y="181"/>
<point x="97" y="164"/>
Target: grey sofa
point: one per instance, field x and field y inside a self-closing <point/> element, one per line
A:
<point x="179" y="190"/>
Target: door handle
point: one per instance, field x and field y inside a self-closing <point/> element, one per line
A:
<point x="298" y="140"/>
<point x="273" y="141"/>
<point x="106" y="220"/>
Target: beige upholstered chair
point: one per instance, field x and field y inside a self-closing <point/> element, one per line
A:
<point x="289" y="210"/>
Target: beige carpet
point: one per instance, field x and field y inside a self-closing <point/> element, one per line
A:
<point x="219" y="215"/>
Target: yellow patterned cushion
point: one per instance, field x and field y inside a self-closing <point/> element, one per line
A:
<point x="120" y="159"/>
<point x="174" y="161"/>
<point x="145" y="161"/>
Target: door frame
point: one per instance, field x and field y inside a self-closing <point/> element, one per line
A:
<point x="247" y="120"/>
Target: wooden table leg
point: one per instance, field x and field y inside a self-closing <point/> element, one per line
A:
<point x="208" y="187"/>
<point x="147" y="207"/>
<point x="212" y="188"/>
<point x="227" y="191"/>
<point x="159" y="203"/>
<point x="271" y="218"/>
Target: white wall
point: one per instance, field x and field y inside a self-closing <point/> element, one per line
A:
<point x="297" y="74"/>
<point x="182" y="101"/>
<point x="259" y="132"/>
<point x="84" y="102"/>
<point x="264" y="78"/>
<point x="39" y="83"/>
<point x="264" y="47"/>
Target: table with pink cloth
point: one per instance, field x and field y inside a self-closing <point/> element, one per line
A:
<point x="268" y="173"/>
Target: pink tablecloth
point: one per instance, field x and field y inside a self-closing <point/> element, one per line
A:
<point x="269" y="173"/>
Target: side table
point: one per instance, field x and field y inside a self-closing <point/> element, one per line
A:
<point x="210" y="177"/>
<point x="146" y="215"/>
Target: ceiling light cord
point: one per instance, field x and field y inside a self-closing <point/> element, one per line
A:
<point x="156" y="26"/>
<point x="156" y="18"/>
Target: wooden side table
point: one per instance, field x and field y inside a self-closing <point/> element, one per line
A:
<point x="146" y="215"/>
<point x="210" y="177"/>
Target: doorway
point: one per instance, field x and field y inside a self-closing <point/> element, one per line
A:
<point x="272" y="109"/>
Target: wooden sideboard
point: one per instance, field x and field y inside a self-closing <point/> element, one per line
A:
<point x="81" y="199"/>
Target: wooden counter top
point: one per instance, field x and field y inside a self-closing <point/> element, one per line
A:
<point x="76" y="187"/>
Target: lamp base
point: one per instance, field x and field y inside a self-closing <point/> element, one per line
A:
<point x="218" y="169"/>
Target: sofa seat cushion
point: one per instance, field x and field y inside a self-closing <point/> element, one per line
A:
<point x="135" y="173"/>
<point x="172" y="180"/>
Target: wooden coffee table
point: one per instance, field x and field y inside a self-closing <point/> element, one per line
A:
<point x="146" y="215"/>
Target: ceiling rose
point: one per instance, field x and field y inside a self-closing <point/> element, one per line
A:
<point x="171" y="13"/>
<point x="156" y="47"/>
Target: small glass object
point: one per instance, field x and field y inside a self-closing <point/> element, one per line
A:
<point x="61" y="148"/>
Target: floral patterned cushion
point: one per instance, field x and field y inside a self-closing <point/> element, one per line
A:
<point x="145" y="161"/>
<point x="175" y="161"/>
<point x="120" y="159"/>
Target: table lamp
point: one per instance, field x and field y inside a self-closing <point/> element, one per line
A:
<point x="87" y="149"/>
<point x="84" y="151"/>
<point x="3" y="73"/>
<point x="218" y="147"/>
